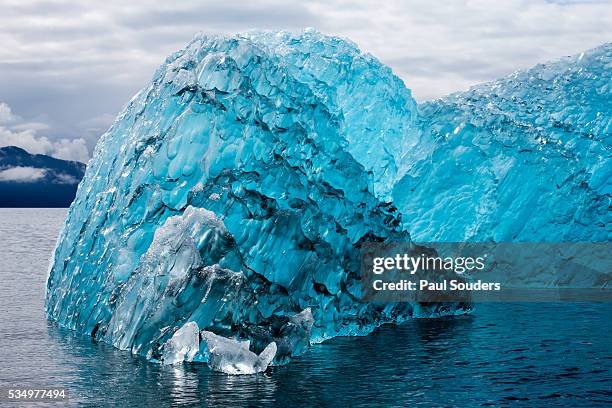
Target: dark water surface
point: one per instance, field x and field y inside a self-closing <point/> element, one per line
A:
<point x="530" y="354"/>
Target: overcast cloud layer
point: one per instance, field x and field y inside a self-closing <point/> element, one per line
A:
<point x="67" y="69"/>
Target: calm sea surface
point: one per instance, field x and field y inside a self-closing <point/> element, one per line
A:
<point x="532" y="354"/>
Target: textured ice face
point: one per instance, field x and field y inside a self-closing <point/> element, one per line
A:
<point x="377" y="111"/>
<point x="234" y="193"/>
<point x="231" y="195"/>
<point x="526" y="158"/>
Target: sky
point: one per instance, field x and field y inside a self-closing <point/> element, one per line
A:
<point x="67" y="68"/>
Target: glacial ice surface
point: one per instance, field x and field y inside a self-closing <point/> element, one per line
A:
<point x="230" y="197"/>
<point x="525" y="158"/>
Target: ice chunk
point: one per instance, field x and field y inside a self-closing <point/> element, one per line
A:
<point x="234" y="357"/>
<point x="212" y="340"/>
<point x="183" y="345"/>
<point x="292" y="334"/>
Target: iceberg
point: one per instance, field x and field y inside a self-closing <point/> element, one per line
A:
<point x="234" y="192"/>
<point x="221" y="217"/>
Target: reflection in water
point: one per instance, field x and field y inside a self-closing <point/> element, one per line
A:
<point x="101" y="372"/>
<point x="184" y="384"/>
<point x="240" y="390"/>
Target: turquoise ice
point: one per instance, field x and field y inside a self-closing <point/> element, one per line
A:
<point x="525" y="158"/>
<point x="231" y="195"/>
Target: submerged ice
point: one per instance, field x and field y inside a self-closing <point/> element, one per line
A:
<point x="221" y="216"/>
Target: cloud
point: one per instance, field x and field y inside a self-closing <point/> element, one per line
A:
<point x="71" y="149"/>
<point x="22" y="174"/>
<point x="31" y="126"/>
<point x="6" y="113"/>
<point x="24" y="135"/>
<point x="63" y="178"/>
<point x="70" y="65"/>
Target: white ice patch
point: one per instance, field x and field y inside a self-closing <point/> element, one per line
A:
<point x="183" y="346"/>
<point x="234" y="357"/>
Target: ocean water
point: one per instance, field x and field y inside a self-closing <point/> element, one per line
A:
<point x="521" y="354"/>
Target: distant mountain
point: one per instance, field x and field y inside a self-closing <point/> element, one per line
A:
<point x="37" y="180"/>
